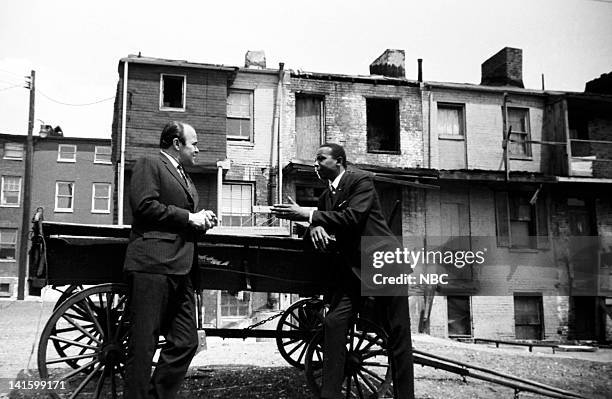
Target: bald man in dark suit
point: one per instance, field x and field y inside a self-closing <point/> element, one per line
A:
<point x="350" y="210"/>
<point x="158" y="264"/>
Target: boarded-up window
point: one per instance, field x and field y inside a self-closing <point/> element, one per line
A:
<point x="13" y="151"/>
<point x="528" y="320"/>
<point x="308" y="125"/>
<point x="383" y="125"/>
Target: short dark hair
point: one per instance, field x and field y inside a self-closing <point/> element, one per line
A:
<point x="337" y="151"/>
<point x="171" y="131"/>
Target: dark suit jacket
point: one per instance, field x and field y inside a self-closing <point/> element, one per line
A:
<point x="161" y="240"/>
<point x="350" y="214"/>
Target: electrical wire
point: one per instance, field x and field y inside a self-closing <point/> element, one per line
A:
<point x="11" y="87"/>
<point x="72" y="104"/>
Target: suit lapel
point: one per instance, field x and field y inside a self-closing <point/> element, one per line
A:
<point x="174" y="172"/>
<point x="340" y="191"/>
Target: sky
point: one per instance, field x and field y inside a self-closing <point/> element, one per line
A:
<point x="75" y="46"/>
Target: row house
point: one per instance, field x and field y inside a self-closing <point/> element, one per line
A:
<point x="518" y="171"/>
<point x="71" y="181"/>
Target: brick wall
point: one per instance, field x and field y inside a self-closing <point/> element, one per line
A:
<point x="10" y="217"/>
<point x="84" y="172"/>
<point x="484" y="128"/>
<point x="346" y="123"/>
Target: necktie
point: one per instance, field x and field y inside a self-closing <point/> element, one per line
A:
<point x="182" y="173"/>
<point x="332" y="190"/>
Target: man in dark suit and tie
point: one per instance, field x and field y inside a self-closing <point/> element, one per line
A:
<point x="349" y="210"/>
<point x="158" y="265"/>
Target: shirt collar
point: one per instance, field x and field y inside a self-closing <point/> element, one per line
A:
<point x="173" y="160"/>
<point x="334" y="184"/>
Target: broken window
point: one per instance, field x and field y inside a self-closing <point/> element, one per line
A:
<point x="528" y="320"/>
<point x="522" y="220"/>
<point x="308" y="125"/>
<point x="450" y="120"/>
<point x="383" y="125"/>
<point x="518" y="123"/>
<point x="240" y="115"/>
<point x="172" y="92"/>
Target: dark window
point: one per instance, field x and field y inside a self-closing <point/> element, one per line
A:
<point x="528" y="320"/>
<point x="522" y="220"/>
<point x="8" y="243"/>
<point x="459" y="318"/>
<point x="383" y="125"/>
<point x="5" y="287"/>
<point x="518" y="122"/>
<point x="173" y="93"/>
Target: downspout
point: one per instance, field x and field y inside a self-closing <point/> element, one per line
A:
<point x="275" y="152"/>
<point x="281" y="74"/>
<point x="121" y="183"/>
<point x="219" y="191"/>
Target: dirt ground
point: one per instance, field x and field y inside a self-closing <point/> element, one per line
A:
<point x="250" y="369"/>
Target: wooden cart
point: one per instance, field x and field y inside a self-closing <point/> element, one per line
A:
<point x="83" y="344"/>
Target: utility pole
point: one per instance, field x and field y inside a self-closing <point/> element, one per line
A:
<point x="27" y="190"/>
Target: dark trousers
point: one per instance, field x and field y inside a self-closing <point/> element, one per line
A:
<point x="159" y="305"/>
<point x="395" y="318"/>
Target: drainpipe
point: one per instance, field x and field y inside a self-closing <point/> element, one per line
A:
<point x="275" y="152"/>
<point x="281" y="74"/>
<point x="121" y="183"/>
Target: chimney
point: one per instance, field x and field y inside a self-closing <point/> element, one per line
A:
<point x="255" y="59"/>
<point x="390" y="63"/>
<point x="504" y="69"/>
<point x="601" y="85"/>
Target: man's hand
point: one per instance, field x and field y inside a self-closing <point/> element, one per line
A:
<point x="203" y="220"/>
<point x="290" y="212"/>
<point x="319" y="237"/>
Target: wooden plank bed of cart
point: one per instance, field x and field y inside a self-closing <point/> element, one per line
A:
<point x="84" y="341"/>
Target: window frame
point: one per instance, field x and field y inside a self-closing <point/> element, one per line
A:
<point x="162" y="107"/>
<point x="540" y="220"/>
<point x="225" y="201"/>
<point x="64" y="210"/>
<point x="6" y="205"/>
<point x="8" y="143"/>
<point x="59" y="153"/>
<point x="251" y="118"/>
<point x="110" y="153"/>
<point x="528" y="155"/>
<point x="14" y="244"/>
<point x="397" y="128"/>
<point x="93" y="198"/>
<point x="462" y="123"/>
<point x="248" y="304"/>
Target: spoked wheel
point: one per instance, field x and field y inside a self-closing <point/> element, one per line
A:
<point x="306" y="316"/>
<point x="367" y="371"/>
<point x="67" y="293"/>
<point x="91" y="329"/>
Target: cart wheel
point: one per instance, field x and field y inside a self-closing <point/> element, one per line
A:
<point x="304" y="315"/>
<point x="367" y="371"/>
<point x="91" y="329"/>
<point x="67" y="293"/>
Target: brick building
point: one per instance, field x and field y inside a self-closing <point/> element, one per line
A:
<point x="524" y="170"/>
<point x="71" y="180"/>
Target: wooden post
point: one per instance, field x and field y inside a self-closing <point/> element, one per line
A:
<point x="27" y="189"/>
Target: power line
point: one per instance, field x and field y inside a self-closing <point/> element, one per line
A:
<point x="12" y="73"/>
<point x="72" y="104"/>
<point x="11" y="87"/>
